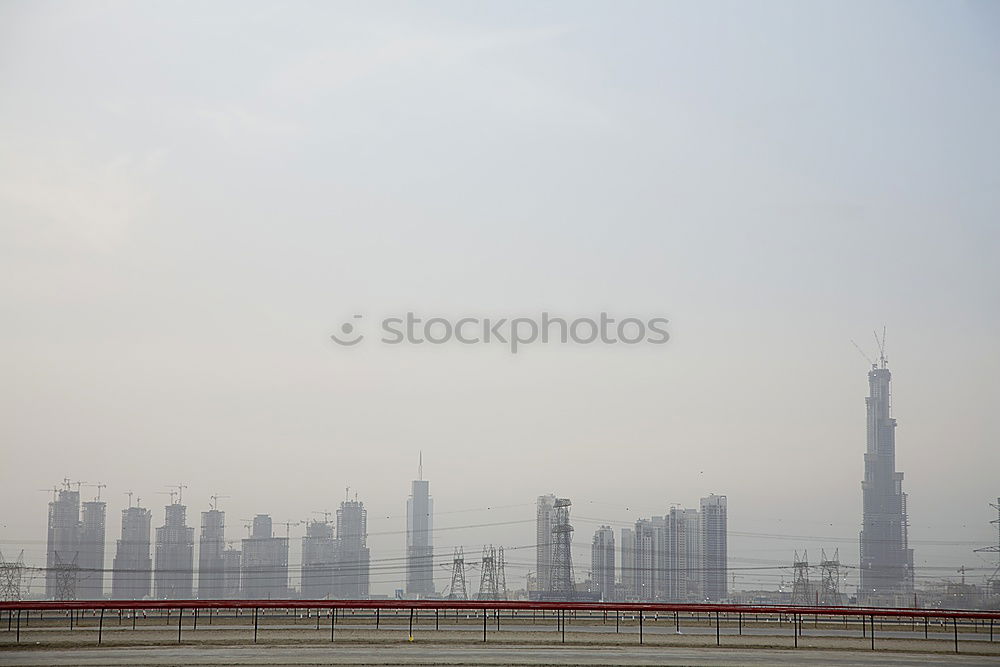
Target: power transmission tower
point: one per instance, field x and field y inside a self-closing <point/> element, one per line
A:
<point x="993" y="581"/>
<point x="11" y="573"/>
<point x="66" y="575"/>
<point x="829" y="592"/>
<point x="501" y="575"/>
<point x="800" y="581"/>
<point x="561" y="578"/>
<point x="488" y="580"/>
<point x="458" y="589"/>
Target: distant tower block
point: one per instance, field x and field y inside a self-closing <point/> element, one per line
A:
<point x="886" y="559"/>
<point x="561" y="578"/>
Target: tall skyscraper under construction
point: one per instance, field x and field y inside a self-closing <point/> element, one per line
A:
<point x="545" y="514"/>
<point x="132" y="568"/>
<point x="211" y="544"/>
<point x="886" y="559"/>
<point x="173" y="574"/>
<point x="319" y="554"/>
<point x="264" y="565"/>
<point x="63" y="545"/>
<point x="419" y="542"/>
<point x="91" y="560"/>
<point x="351" y="573"/>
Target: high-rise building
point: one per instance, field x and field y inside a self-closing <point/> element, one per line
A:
<point x="91" y="560"/>
<point x="419" y="540"/>
<point x="231" y="584"/>
<point x="132" y="568"/>
<point x="319" y="554"/>
<point x="173" y="574"/>
<point x="63" y="546"/>
<point x="544" y="520"/>
<point x="627" y="588"/>
<point x="211" y="544"/>
<point x="264" y="565"/>
<point x="886" y="559"/>
<point x="683" y="562"/>
<point x="351" y="580"/>
<point x="644" y="570"/>
<point x="713" y="548"/>
<point x="602" y="563"/>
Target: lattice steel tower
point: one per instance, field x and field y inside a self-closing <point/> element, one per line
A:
<point x="458" y="589"/>
<point x="561" y="577"/>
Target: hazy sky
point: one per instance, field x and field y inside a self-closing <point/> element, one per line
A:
<point x="193" y="197"/>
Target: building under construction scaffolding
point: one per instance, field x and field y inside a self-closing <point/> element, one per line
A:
<point x="63" y="545"/>
<point x="132" y="568"/>
<point x="173" y="573"/>
<point x="319" y="556"/>
<point x="886" y="559"/>
<point x="264" y="566"/>
<point x="211" y="544"/>
<point x="350" y="579"/>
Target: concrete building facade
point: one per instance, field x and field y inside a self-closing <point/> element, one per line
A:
<point x="132" y="568"/>
<point x="211" y="544"/>
<point x="264" y="564"/>
<point x="886" y="559"/>
<point x="351" y="575"/>
<point x="544" y="522"/>
<point x="419" y="540"/>
<point x="602" y="563"/>
<point x="319" y="556"/>
<point x="173" y="567"/>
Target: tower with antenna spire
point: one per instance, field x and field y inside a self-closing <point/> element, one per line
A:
<point x="419" y="541"/>
<point x="886" y="559"/>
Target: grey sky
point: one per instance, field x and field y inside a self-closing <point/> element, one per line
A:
<point x="193" y="197"/>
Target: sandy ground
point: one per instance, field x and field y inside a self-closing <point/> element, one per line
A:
<point x="230" y="640"/>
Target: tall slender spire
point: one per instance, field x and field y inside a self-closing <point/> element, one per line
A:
<point x="420" y="466"/>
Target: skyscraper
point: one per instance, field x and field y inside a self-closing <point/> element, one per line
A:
<point x="627" y="588"/>
<point x="91" y="560"/>
<point x="714" y="549"/>
<point x="602" y="563"/>
<point x="644" y="570"/>
<point x="886" y="559"/>
<point x="419" y="542"/>
<point x="264" y="566"/>
<point x="351" y="573"/>
<point x="319" y="554"/>
<point x="173" y="575"/>
<point x="132" y="568"/>
<point x="544" y="520"/>
<point x="683" y="562"/>
<point x="211" y="543"/>
<point x="63" y="546"/>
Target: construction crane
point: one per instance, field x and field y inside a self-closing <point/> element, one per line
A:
<point x="97" y="486"/>
<point x="180" y="491"/>
<point x="130" y="493"/>
<point x="215" y="501"/>
<point x="172" y="494"/>
<point x="863" y="353"/>
<point x="288" y="526"/>
<point x="326" y="514"/>
<point x="247" y="523"/>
